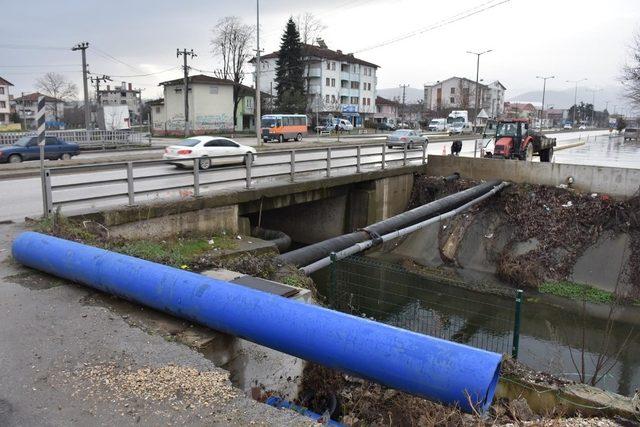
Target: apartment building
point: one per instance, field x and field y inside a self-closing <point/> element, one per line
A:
<point x="26" y="107"/>
<point x="123" y="95"/>
<point x="459" y="93"/>
<point x="338" y="84"/>
<point x="5" y="108"/>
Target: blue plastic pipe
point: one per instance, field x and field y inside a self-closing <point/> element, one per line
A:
<point x="436" y="369"/>
<point x="280" y="403"/>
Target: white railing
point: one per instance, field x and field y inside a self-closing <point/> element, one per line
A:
<point x="87" y="139"/>
<point x="131" y="181"/>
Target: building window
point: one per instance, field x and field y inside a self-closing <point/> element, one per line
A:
<point x="328" y="65"/>
<point x="354" y="99"/>
<point x="249" y="102"/>
<point x="452" y="100"/>
<point x="453" y="91"/>
<point x="355" y="85"/>
<point x="333" y="98"/>
<point x="343" y="99"/>
<point x="333" y="66"/>
<point x="326" y="99"/>
<point x="1" y="90"/>
<point x="123" y="102"/>
<point x="328" y="82"/>
<point x="364" y="101"/>
<point x="213" y="90"/>
<point x="368" y="101"/>
<point x="333" y="82"/>
<point x="157" y="110"/>
<point x="3" y="104"/>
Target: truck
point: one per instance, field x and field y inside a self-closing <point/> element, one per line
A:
<point x="458" y="122"/>
<point x="113" y="117"/>
<point x="514" y="140"/>
<point x="438" y="125"/>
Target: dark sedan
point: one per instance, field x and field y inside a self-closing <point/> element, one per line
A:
<point x="26" y="148"/>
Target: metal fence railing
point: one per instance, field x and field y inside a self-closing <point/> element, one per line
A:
<point x="87" y="139"/>
<point x="390" y="294"/>
<point x="137" y="181"/>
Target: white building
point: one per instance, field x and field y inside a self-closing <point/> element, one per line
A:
<point x="5" y="108"/>
<point x="210" y="107"/>
<point x="27" y="108"/>
<point x="338" y="84"/>
<point x="458" y="93"/>
<point x="123" y="95"/>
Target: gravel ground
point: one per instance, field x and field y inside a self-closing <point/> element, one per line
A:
<point x="63" y="362"/>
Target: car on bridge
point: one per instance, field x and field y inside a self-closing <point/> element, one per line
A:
<point x="27" y="148"/>
<point x="408" y="137"/>
<point x="209" y="150"/>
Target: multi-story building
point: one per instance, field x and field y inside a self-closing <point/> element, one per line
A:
<point x="123" y="95"/>
<point x="520" y="110"/>
<point x="210" y="107"/>
<point x="459" y="93"/>
<point x="5" y="108"/>
<point x="26" y="106"/>
<point x="386" y="111"/>
<point x="338" y="84"/>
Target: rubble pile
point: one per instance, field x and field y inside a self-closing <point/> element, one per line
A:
<point x="564" y="223"/>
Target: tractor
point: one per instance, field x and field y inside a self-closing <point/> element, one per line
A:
<point x="514" y="140"/>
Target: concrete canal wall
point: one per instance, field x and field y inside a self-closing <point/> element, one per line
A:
<point x="620" y="183"/>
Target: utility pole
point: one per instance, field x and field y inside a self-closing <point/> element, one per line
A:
<point x="544" y="88"/>
<point x="24" y="118"/>
<point x="404" y="98"/>
<point x="475" y="112"/>
<point x="258" y="119"/>
<point x="185" y="53"/>
<point x="97" y="80"/>
<point x="575" y="98"/>
<point x="87" y="108"/>
<point x="593" y="104"/>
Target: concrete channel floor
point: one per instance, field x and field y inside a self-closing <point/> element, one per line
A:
<point x="50" y="337"/>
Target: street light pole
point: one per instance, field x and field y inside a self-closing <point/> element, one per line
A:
<point x="575" y="98"/>
<point x="475" y="112"/>
<point x="593" y="104"/>
<point x="544" y="89"/>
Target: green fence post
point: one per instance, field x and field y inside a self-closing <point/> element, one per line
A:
<point x="333" y="279"/>
<point x="516" y="325"/>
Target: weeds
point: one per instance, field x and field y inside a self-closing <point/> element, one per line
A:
<point x="576" y="291"/>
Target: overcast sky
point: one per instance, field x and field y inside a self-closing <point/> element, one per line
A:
<point x="571" y="39"/>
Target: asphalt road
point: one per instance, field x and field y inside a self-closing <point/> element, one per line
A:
<point x="23" y="198"/>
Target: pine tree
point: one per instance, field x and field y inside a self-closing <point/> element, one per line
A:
<point x="290" y="72"/>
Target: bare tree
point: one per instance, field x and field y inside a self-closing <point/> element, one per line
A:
<point x="631" y="72"/>
<point x="231" y="42"/>
<point x="56" y="86"/>
<point x="310" y="28"/>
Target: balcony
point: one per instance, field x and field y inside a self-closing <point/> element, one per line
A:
<point x="315" y="72"/>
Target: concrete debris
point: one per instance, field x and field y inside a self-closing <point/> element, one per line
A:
<point x="180" y="386"/>
<point x="520" y="410"/>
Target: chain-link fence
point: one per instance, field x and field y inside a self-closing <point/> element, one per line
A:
<point x="390" y="294"/>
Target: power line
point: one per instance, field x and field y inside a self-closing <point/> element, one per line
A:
<point x="113" y="58"/>
<point x="455" y="18"/>
<point x="147" y="74"/>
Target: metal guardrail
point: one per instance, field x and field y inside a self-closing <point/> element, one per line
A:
<point x="128" y="178"/>
<point x="87" y="139"/>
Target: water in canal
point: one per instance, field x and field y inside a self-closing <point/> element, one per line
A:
<point x="552" y="329"/>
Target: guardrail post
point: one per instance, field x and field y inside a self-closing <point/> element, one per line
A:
<point x="248" y="159"/>
<point x="196" y="178"/>
<point x="384" y="155"/>
<point x="48" y="196"/>
<point x="424" y="152"/>
<point x="404" y="154"/>
<point x="358" y="160"/>
<point x="130" y="190"/>
<point x="516" y="325"/>
<point x="293" y="165"/>
<point x="328" y="162"/>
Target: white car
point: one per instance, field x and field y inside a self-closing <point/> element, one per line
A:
<point x="567" y="126"/>
<point x="210" y="150"/>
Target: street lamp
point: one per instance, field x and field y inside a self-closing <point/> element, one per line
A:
<point x="544" y="88"/>
<point x="475" y="118"/>
<point x="575" y="97"/>
<point x="593" y="103"/>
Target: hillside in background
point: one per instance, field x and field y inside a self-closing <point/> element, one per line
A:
<point x="564" y="98"/>
<point x="413" y="94"/>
